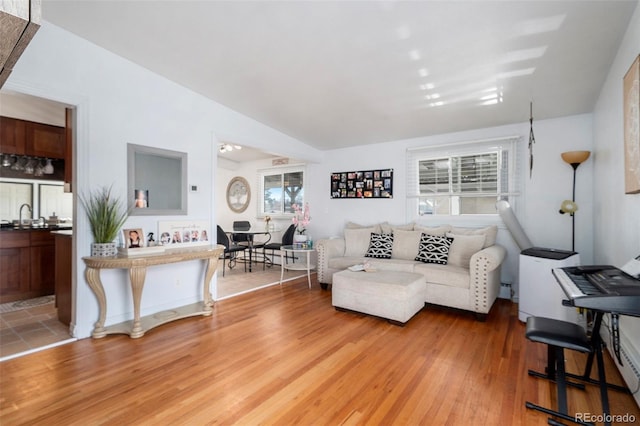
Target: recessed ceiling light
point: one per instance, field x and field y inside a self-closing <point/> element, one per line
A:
<point x="403" y="32"/>
<point x="423" y="72"/>
<point x="414" y="55"/>
<point x="516" y="73"/>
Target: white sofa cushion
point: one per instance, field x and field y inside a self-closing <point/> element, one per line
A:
<point x="438" y="231"/>
<point x="357" y="241"/>
<point x="344" y="262"/>
<point x="405" y="244"/>
<point x="448" y="275"/>
<point x="490" y="233"/>
<point x="376" y="228"/>
<point x="463" y="247"/>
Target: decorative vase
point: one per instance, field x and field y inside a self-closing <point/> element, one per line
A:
<point x="299" y="238"/>
<point x="103" y="249"/>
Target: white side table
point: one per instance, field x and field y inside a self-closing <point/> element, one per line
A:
<point x="306" y="266"/>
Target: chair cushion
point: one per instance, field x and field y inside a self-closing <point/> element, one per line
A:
<point x="557" y="333"/>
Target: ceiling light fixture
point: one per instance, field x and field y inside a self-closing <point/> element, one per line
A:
<point x="225" y="147"/>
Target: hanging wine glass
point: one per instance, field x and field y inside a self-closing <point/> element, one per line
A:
<point x="7" y="160"/>
<point x="39" y="168"/>
<point x="29" y="168"/>
<point x="19" y="164"/>
<point x="48" y="169"/>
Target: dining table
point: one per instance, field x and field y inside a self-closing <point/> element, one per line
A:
<point x="250" y="240"/>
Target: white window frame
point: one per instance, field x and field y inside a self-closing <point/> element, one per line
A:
<point x="275" y="171"/>
<point x="508" y="182"/>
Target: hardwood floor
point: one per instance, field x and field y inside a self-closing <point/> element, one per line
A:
<point x="283" y="355"/>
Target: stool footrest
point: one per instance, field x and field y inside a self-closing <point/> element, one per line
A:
<point x="556" y="414"/>
<point x="597" y="382"/>
<point x="552" y="379"/>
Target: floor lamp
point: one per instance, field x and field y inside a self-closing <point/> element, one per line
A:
<point x="573" y="158"/>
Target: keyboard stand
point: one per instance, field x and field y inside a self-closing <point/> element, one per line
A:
<point x="597" y="345"/>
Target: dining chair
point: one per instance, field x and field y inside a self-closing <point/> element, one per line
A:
<point x="230" y="250"/>
<point x="287" y="240"/>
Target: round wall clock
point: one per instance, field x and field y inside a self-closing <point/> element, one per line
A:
<point x="238" y="194"/>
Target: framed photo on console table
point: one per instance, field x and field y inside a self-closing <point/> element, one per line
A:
<point x="183" y="233"/>
<point x="362" y="184"/>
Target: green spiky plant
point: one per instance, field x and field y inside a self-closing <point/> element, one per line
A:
<point x="106" y="214"/>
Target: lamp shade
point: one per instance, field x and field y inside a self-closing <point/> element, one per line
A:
<point x="575" y="157"/>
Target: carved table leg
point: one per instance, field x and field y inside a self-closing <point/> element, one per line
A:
<point x="93" y="279"/>
<point x="212" y="265"/>
<point x="136" y="276"/>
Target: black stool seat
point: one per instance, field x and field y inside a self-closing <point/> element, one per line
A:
<point x="558" y="333"/>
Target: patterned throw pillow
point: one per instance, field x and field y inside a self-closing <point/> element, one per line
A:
<point x="380" y="246"/>
<point x="434" y="249"/>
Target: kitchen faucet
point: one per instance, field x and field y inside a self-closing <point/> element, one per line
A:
<point x="21" y="207"/>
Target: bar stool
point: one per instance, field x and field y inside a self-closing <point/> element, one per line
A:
<point x="557" y="335"/>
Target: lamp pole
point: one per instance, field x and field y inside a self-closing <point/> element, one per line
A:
<point x="573" y="215"/>
<point x="574" y="158"/>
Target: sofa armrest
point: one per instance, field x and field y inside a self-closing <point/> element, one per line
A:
<point x="484" y="269"/>
<point x="491" y="256"/>
<point x="328" y="249"/>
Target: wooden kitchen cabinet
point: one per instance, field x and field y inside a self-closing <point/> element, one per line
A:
<point x="44" y="140"/>
<point x="15" y="278"/>
<point x="42" y="253"/>
<point x="13" y="136"/>
<point x="63" y="277"/>
<point x="27" y="261"/>
<point x="22" y="137"/>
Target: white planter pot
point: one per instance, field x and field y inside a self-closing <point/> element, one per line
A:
<point x="299" y="238"/>
<point x="103" y="249"/>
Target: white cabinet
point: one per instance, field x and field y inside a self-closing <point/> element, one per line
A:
<point x="540" y="293"/>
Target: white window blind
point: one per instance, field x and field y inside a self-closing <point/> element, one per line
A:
<point x="463" y="178"/>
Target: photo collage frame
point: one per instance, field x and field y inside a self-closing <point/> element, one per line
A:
<point x="362" y="184"/>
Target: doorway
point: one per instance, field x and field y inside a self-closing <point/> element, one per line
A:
<point x="35" y="321"/>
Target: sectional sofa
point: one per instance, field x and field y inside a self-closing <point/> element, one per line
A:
<point x="461" y="266"/>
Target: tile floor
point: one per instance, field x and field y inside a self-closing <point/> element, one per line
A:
<point x="30" y="328"/>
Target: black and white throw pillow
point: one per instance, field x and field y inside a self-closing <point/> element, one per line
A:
<point x="434" y="249"/>
<point x="380" y="246"/>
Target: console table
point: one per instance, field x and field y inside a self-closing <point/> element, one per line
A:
<point x="137" y="267"/>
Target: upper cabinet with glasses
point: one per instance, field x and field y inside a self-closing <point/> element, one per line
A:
<point x="22" y="137"/>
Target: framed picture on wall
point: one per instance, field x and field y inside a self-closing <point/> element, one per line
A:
<point x="362" y="184"/>
<point x="631" y="88"/>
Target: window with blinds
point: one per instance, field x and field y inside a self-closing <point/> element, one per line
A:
<point x="463" y="178"/>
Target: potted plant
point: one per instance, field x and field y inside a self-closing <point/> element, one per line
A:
<point x="106" y="215"/>
<point x="301" y="219"/>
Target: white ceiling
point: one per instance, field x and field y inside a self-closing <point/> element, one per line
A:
<point x="344" y="73"/>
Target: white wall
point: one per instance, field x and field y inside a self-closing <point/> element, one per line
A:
<point x="617" y="224"/>
<point x="537" y="209"/>
<point x="117" y="103"/>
